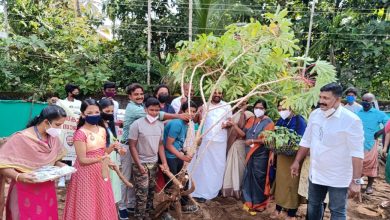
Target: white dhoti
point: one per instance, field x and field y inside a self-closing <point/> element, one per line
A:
<point x="207" y="169"/>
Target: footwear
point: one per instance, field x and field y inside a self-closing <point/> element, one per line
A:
<point x="200" y="200"/>
<point x="275" y="215"/>
<point x="189" y="209"/>
<point x="167" y="216"/>
<point x="123" y="214"/>
<point x="130" y="210"/>
<point x="369" y="190"/>
<point x="61" y="182"/>
<point x="385" y="204"/>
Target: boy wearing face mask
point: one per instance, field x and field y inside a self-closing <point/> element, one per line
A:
<point x="352" y="105"/>
<point x="372" y="120"/>
<point x="135" y="110"/>
<point x="146" y="145"/>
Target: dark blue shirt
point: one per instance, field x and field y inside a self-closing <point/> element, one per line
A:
<point x="168" y="109"/>
<point x="296" y="123"/>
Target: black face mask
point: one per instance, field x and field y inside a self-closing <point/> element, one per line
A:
<point x="366" y="105"/>
<point x="76" y="96"/>
<point x="163" y="98"/>
<point x="107" y="117"/>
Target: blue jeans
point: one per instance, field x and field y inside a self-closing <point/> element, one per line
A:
<point x="337" y="202"/>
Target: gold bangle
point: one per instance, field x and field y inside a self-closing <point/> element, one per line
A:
<point x="17" y="176"/>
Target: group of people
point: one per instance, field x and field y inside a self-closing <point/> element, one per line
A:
<point x="338" y="147"/>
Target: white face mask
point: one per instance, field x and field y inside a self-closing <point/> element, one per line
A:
<point x="54" y="132"/>
<point x="328" y="112"/>
<point x="151" y="119"/>
<point x="284" y="114"/>
<point x="258" y="112"/>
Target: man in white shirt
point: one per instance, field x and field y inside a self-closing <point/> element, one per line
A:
<point x="177" y="102"/>
<point x="208" y="166"/>
<point x="334" y="136"/>
<point x="351" y="94"/>
<point x="72" y="108"/>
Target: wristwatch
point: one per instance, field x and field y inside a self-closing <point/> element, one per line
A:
<point x="359" y="181"/>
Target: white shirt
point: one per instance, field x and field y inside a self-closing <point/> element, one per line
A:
<point x="217" y="116"/>
<point x="176" y="104"/>
<point x="116" y="107"/>
<point x="355" y="107"/>
<point x="333" y="142"/>
<point x="71" y="107"/>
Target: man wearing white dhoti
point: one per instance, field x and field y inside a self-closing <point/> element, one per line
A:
<point x="208" y="166"/>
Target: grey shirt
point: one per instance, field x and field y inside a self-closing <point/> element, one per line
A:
<point x="148" y="138"/>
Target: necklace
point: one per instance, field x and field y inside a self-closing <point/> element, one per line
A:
<point x="92" y="134"/>
<point x="257" y="125"/>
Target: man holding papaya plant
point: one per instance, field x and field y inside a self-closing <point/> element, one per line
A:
<point x="334" y="136"/>
<point x="208" y="168"/>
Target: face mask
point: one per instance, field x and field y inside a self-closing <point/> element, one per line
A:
<point x="92" y="119"/>
<point x="258" y="113"/>
<point x="366" y="105"/>
<point x="54" y="132"/>
<point x="107" y="117"/>
<point x="151" y="119"/>
<point x="350" y="99"/>
<point x="76" y="96"/>
<point x="110" y="94"/>
<point x="284" y="114"/>
<point x="163" y="98"/>
<point x="328" y="112"/>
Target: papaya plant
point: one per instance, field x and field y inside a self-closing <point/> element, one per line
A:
<point x="251" y="60"/>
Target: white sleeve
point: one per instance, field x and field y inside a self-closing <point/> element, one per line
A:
<point x="355" y="139"/>
<point x="176" y="104"/>
<point x="306" y="139"/>
<point x="116" y="107"/>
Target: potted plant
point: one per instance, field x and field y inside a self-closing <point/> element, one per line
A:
<point x="282" y="140"/>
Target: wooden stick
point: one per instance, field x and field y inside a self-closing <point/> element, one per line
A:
<point x="190" y="190"/>
<point x="173" y="178"/>
<point x="121" y="176"/>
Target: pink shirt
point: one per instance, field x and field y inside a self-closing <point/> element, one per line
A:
<point x="387" y="127"/>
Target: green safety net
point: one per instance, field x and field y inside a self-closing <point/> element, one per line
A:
<point x="16" y="113"/>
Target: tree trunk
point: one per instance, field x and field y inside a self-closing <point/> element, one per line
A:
<point x="78" y="10"/>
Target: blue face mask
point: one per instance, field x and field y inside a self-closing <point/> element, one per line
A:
<point x="92" y="119"/>
<point x="350" y="99"/>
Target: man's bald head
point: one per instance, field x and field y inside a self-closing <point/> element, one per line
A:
<point x="186" y="87"/>
<point x="369" y="97"/>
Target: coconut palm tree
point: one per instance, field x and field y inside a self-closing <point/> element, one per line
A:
<point x="214" y="15"/>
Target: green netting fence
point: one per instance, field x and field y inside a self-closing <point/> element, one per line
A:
<point x="16" y="113"/>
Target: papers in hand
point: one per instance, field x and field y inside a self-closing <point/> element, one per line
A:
<point x="47" y="173"/>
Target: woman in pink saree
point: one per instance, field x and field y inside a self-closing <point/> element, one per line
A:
<point x="26" y="151"/>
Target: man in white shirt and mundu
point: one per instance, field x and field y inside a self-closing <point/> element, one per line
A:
<point x="334" y="136"/>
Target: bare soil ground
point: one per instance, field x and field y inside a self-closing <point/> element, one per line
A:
<point x="231" y="209"/>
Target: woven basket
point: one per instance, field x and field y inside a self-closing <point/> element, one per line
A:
<point x="288" y="150"/>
